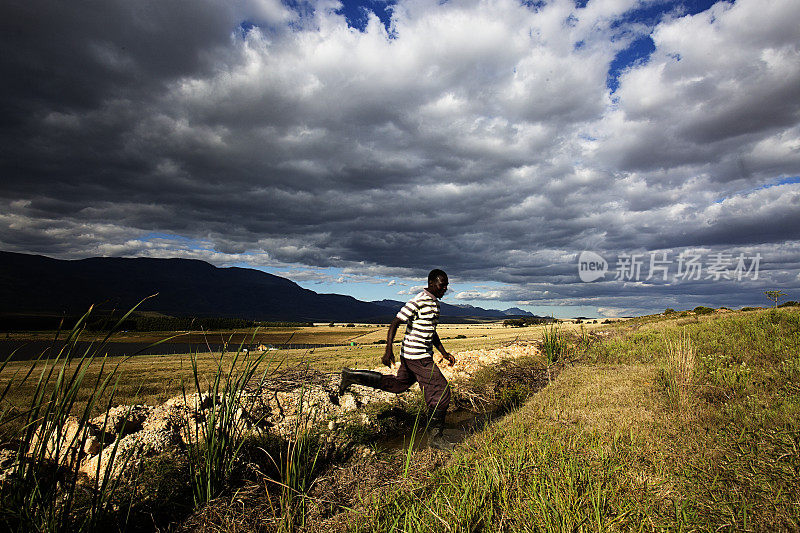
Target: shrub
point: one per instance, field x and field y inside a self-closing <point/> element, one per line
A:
<point x="484" y="377"/>
<point x="669" y="311"/>
<point x="702" y="310"/>
<point x="161" y="492"/>
<point x="511" y="396"/>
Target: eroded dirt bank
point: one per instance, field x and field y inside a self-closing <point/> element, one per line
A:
<point x="275" y="404"/>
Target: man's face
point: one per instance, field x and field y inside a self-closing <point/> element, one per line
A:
<point x="439" y="287"/>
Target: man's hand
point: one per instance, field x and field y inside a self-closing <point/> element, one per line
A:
<point x="449" y="357"/>
<point x="388" y="356"/>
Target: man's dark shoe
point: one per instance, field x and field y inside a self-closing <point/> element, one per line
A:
<point x="436" y="438"/>
<point x="438" y="441"/>
<point x="370" y="378"/>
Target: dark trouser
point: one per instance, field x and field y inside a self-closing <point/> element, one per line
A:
<point x="434" y="386"/>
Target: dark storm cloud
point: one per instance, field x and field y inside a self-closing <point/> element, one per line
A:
<point x="77" y="57"/>
<point x="481" y="133"/>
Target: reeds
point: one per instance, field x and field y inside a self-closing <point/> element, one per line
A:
<point x="215" y="439"/>
<point x="295" y="461"/>
<point x="43" y="490"/>
<point x="298" y="468"/>
<point x="554" y="344"/>
<point x="679" y="373"/>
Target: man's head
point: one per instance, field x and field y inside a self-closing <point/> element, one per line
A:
<point x="437" y="282"/>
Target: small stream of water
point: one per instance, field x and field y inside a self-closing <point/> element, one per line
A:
<point x="459" y="425"/>
<point x="464" y="421"/>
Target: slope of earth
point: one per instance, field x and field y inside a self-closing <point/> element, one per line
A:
<point x="682" y="423"/>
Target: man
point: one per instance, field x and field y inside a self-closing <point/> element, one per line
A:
<point x="421" y="314"/>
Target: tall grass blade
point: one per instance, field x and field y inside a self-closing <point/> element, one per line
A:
<point x="215" y="439"/>
<point x="42" y="491"/>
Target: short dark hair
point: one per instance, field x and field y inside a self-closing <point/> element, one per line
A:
<point x="435" y="274"/>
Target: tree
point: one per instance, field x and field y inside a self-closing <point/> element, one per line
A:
<point x="775" y="296"/>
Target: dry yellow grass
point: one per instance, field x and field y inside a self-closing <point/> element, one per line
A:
<point x="578" y="456"/>
<point x="606" y="398"/>
<point x="151" y="379"/>
<point x="271" y="335"/>
<point x="679" y="373"/>
<point x="317" y="334"/>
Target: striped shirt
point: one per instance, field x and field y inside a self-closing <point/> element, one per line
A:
<point x="421" y="314"/>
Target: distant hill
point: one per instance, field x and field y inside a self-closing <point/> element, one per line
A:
<point x="185" y="287"/>
<point x="516" y="311"/>
<point x="463" y="310"/>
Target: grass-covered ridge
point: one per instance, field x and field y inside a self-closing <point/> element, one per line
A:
<point x="609" y="445"/>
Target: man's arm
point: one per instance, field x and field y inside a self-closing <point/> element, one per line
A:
<point x="437" y="343"/>
<point x="388" y="355"/>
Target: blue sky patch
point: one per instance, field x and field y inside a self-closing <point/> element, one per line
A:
<point x="652" y="13"/>
<point x="649" y="15"/>
<point x="783" y="181"/>
<point x="357" y="12"/>
<point x="637" y="52"/>
<point x="535" y="5"/>
<point x="245" y="27"/>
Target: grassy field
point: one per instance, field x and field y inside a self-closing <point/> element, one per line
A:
<point x="340" y="334"/>
<point x="318" y="334"/>
<point x="152" y="379"/>
<point x="686" y="423"/>
<point x="683" y="422"/>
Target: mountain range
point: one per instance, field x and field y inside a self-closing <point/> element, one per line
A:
<point x="187" y="287"/>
